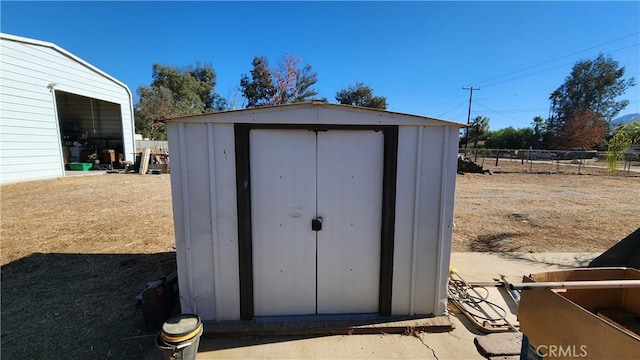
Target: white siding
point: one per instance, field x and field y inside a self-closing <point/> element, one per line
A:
<point x="205" y="219"/>
<point x="205" y="207"/>
<point x="404" y="238"/>
<point x="30" y="144"/>
<point x="424" y="218"/>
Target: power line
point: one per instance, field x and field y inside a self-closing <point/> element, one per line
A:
<point x="534" y="73"/>
<point x="558" y="58"/>
<point x="448" y="111"/>
<point x="552" y="68"/>
<point x="441" y="98"/>
<point x="498" y="112"/>
<point x="519" y="110"/>
<point x="455" y="98"/>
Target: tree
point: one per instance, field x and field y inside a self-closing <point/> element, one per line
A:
<point x="540" y="132"/>
<point x="206" y="80"/>
<point x="582" y="129"/>
<point x="624" y="136"/>
<point x="592" y="87"/>
<point x="175" y="92"/>
<point x="478" y="129"/>
<point x="509" y="138"/>
<point x="361" y="95"/>
<point x="192" y="86"/>
<point x="259" y="90"/>
<point x="287" y="83"/>
<point x="154" y="104"/>
<point x="293" y="84"/>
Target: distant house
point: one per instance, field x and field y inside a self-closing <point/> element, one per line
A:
<point x="56" y="108"/>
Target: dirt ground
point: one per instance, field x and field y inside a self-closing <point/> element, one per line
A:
<point x="544" y="213"/>
<point x="76" y="251"/>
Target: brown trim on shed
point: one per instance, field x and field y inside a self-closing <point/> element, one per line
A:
<point x="390" y="170"/>
<point x="243" y="190"/>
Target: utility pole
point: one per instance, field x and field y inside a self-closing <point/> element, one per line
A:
<point x="466" y="136"/>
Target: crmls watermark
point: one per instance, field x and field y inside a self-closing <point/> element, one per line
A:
<point x="562" y="351"/>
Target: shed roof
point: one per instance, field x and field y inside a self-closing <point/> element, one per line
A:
<point x="315" y="112"/>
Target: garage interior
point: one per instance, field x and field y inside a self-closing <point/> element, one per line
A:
<point x="91" y="131"/>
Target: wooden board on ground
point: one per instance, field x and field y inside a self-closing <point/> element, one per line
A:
<point x="144" y="161"/>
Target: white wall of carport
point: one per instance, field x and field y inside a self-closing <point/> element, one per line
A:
<point x="29" y="132"/>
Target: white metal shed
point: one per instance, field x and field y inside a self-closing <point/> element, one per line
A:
<point x="312" y="209"/>
<point x="51" y="99"/>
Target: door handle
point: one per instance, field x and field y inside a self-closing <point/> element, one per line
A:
<point x="316" y="224"/>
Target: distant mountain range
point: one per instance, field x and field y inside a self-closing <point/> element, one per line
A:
<point x="626" y="119"/>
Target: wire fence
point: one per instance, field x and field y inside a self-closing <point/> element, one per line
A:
<point x="572" y="161"/>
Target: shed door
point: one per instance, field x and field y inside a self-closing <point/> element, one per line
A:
<point x="298" y="176"/>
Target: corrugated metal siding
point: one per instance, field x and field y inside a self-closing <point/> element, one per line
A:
<point x="28" y="61"/>
<point x="29" y="137"/>
<point x="426" y="175"/>
<point x="205" y="219"/>
<point x="424" y="214"/>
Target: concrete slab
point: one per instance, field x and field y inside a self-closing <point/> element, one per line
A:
<point x="289" y="326"/>
<point x="487" y="266"/>
<point x="457" y="344"/>
<point x="505" y="344"/>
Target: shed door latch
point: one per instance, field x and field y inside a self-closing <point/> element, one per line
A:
<point x="316" y="224"/>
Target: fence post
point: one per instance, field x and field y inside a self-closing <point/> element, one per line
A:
<point x="580" y="163"/>
<point x="497" y="156"/>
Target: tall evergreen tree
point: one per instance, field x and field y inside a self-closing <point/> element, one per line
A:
<point x="259" y="89"/>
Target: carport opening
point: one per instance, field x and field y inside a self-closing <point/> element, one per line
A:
<point x="90" y="131"/>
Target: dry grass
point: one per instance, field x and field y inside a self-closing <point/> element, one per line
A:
<point x="515" y="210"/>
<point x="76" y="251"/>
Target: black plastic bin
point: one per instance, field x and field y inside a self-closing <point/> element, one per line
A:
<point x="160" y="301"/>
<point x="180" y="337"/>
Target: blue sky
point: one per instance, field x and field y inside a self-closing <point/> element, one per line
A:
<point x="417" y="54"/>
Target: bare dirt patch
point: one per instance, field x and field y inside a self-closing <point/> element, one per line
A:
<point x="76" y="251"/>
<point x="544" y="212"/>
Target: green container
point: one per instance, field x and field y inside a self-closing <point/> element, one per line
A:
<point x="80" y="166"/>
